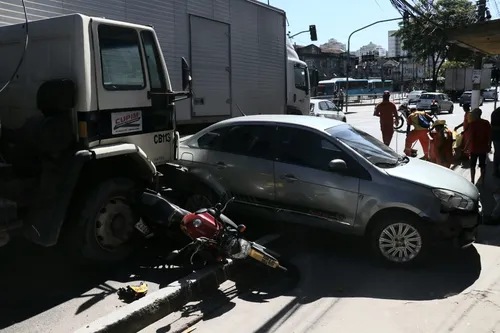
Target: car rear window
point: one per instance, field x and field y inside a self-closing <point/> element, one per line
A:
<point x="427" y="96"/>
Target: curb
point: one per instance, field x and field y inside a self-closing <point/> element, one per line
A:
<point x="135" y="316"/>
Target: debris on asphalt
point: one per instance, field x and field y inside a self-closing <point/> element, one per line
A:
<point x="132" y="292"/>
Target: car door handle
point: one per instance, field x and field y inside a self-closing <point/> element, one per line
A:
<point x="289" y="177"/>
<point x="221" y="165"/>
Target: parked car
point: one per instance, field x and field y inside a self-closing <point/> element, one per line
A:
<point x="444" y="102"/>
<point x="466" y="98"/>
<point x="490" y="93"/>
<point x="325" y="108"/>
<point x="414" y="96"/>
<point x="327" y="174"/>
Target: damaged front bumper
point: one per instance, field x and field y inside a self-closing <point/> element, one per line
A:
<point x="460" y="226"/>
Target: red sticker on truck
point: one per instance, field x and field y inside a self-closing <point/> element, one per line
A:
<point x="126" y="122"/>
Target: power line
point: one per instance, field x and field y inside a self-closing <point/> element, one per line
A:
<point x="376" y="1"/>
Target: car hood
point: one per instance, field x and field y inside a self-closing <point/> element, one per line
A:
<point x="184" y="138"/>
<point x="434" y="176"/>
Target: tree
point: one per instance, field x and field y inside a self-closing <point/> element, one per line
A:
<point x="425" y="37"/>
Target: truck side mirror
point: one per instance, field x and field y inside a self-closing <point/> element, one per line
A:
<point x="186" y="75"/>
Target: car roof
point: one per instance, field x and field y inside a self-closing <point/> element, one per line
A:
<point x="417" y="91"/>
<point x="318" y="123"/>
<point x="316" y="101"/>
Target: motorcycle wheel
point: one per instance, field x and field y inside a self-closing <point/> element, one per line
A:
<point x="401" y="122"/>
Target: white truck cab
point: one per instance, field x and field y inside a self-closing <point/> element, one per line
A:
<point x="298" y="85"/>
<point x="88" y="116"/>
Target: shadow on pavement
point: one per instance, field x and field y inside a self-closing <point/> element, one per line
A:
<point x="36" y="279"/>
<point x="330" y="265"/>
<point x="488" y="234"/>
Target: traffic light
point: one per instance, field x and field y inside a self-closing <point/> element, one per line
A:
<point x="312" y="32"/>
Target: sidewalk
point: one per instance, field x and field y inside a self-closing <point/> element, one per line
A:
<point x="488" y="234"/>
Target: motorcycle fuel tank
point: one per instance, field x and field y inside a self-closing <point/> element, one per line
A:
<point x="200" y="225"/>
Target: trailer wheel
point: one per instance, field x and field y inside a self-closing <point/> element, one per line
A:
<point x="101" y="226"/>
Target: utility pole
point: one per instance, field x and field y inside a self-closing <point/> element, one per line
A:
<point x="478" y="63"/>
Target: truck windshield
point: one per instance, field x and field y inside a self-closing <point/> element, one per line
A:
<point x="364" y="144"/>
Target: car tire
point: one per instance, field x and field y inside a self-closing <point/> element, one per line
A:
<point x="413" y="238"/>
<point x="460" y="104"/>
<point x="91" y="236"/>
<point x="481" y="104"/>
<point x="344" y="120"/>
<point x="451" y="110"/>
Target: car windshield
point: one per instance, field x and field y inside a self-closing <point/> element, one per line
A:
<point x="427" y="96"/>
<point x="366" y="145"/>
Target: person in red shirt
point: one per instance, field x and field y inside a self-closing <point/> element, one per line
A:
<point x="388" y="114"/>
<point x="478" y="143"/>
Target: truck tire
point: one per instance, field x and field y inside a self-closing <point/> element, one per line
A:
<point x="101" y="224"/>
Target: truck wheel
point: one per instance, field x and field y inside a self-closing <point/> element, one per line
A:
<point x="102" y="222"/>
<point x="399" y="240"/>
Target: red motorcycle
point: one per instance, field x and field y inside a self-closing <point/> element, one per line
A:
<point x="212" y="234"/>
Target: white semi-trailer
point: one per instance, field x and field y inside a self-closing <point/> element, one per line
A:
<point x="238" y="50"/>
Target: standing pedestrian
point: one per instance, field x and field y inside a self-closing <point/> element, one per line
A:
<point x="441" y="151"/>
<point x="478" y="143"/>
<point x="388" y="114"/>
<point x="341" y="98"/>
<point x="421" y="123"/>
<point x="465" y="125"/>
<point x="495" y="137"/>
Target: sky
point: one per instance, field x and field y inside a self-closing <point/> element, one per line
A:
<point x="337" y="19"/>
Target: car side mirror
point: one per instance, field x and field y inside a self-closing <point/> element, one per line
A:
<point x="186" y="75"/>
<point x="337" y="165"/>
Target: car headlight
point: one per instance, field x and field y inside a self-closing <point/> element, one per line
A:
<point x="453" y="200"/>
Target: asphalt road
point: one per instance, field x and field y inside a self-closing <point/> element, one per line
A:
<point x="339" y="289"/>
<point x="46" y="292"/>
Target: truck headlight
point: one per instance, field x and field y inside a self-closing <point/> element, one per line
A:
<point x="453" y="200"/>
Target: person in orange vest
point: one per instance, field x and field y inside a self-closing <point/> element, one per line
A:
<point x="421" y="123"/>
<point x="441" y="137"/>
<point x="465" y="124"/>
<point x="388" y="114"/>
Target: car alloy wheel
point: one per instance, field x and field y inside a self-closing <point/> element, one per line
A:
<point x="400" y="242"/>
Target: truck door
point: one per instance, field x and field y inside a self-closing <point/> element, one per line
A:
<point x="129" y="69"/>
<point x="211" y="67"/>
<point x="302" y="88"/>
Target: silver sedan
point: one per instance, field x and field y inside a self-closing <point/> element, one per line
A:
<point x="327" y="174"/>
